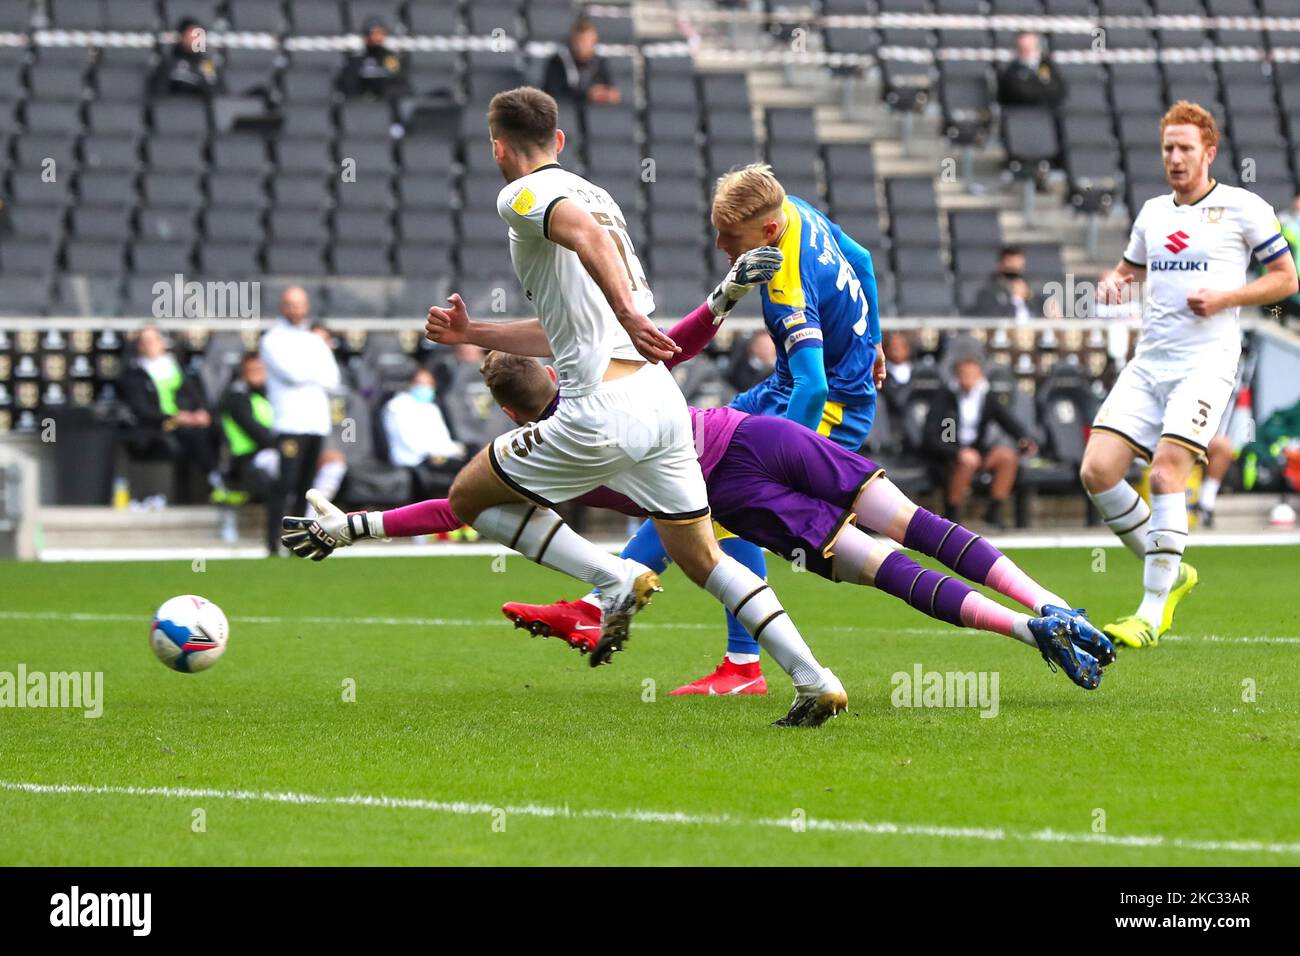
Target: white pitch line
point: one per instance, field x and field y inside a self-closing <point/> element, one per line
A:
<point x="493" y="622"/>
<point x="461" y="549"/>
<point x="668" y="818"/>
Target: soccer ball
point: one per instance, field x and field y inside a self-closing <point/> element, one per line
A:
<point x="1282" y="516"/>
<point x="189" y="633"/>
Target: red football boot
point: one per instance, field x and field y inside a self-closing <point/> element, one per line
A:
<point x="729" y="679"/>
<point x="577" y="623"/>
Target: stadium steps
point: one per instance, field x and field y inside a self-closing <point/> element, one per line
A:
<point x="176" y="526"/>
<point x="868" y="120"/>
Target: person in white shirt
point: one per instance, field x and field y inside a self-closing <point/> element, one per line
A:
<point x="300" y="372"/>
<point x="1194" y="248"/>
<point x="418" y="437"/>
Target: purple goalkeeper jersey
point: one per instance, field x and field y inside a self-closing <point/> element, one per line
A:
<point x="713" y="429"/>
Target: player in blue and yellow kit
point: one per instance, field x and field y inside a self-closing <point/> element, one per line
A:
<point x="820" y="310"/>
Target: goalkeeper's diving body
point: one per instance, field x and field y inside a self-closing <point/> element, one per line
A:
<point x="785" y="488"/>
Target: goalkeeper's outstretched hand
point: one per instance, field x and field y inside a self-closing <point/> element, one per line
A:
<point x="755" y="267"/>
<point x="317" y="537"/>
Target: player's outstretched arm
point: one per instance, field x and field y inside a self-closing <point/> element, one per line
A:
<point x="696" y="330"/>
<point x="453" y="326"/>
<point x="574" y="228"/>
<point x="317" y="538"/>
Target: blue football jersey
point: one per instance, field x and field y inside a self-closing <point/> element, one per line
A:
<point x="817" y="300"/>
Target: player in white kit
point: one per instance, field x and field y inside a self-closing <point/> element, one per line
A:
<point x="1194" y="248"/>
<point x="621" y="422"/>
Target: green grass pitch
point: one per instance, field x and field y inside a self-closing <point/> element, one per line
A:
<point x="497" y="748"/>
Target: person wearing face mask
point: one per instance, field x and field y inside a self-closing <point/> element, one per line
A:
<point x="1006" y="294"/>
<point x="418" y="437"/>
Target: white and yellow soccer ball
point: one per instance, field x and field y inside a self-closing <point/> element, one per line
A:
<point x="189" y="633"/>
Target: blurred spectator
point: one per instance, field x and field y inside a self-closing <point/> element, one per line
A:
<point x="1219" y="457"/>
<point x="376" y="70"/>
<point x="418" y="437"/>
<point x="300" y="372"/>
<point x="957" y="437"/>
<point x="1029" y="79"/>
<point x="898" y="358"/>
<point x="472" y="416"/>
<point x="187" y="68"/>
<point x="170" y="420"/>
<point x="1291" y="218"/>
<point x="576" y="73"/>
<point x="753" y="361"/>
<point x="248" y="422"/>
<point x="1006" y="294"/>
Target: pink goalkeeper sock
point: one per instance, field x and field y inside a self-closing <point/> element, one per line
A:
<point x="1005" y="577"/>
<point x="424" y="517"/>
<point x="978" y="611"/>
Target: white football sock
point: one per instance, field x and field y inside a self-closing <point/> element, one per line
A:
<point x="540" y="535"/>
<point x="329" y="478"/>
<point x="756" y="606"/>
<point x="1209" y="493"/>
<point x="1125" y="513"/>
<point x="1166" y="539"/>
<point x="737" y="658"/>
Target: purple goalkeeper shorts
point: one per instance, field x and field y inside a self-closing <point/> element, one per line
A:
<point x="787" y="489"/>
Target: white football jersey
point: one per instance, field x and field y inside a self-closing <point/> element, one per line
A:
<point x="580" y="325"/>
<point x="1207" y="244"/>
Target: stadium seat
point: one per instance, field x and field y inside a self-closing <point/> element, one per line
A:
<point x="308" y="85"/>
<point x="163" y="188"/>
<point x="100" y="222"/>
<point x="316" y="17"/>
<point x="77" y="14"/>
<point x="967" y="102"/>
<point x="298" y="259"/>
<point x="237" y="224"/>
<point x="27" y="257"/>
<point x="256" y="16"/>
<point x="57" y="80"/>
<point x="53" y="116"/>
<point x="363" y="225"/>
<point x="413" y="296"/>
<point x="160" y="258"/>
<point x="304" y="192"/>
<point x="167" y="223"/>
<point x="925" y="297"/>
<point x="239" y="153"/>
<point x="423" y="260"/>
<point x="120" y="119"/>
<point x="362" y="259"/>
<point x="95" y="256"/>
<point x="236" y="189"/>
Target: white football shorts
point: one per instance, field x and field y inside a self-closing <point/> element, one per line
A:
<point x="1154" y="400"/>
<point x="632" y="435"/>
